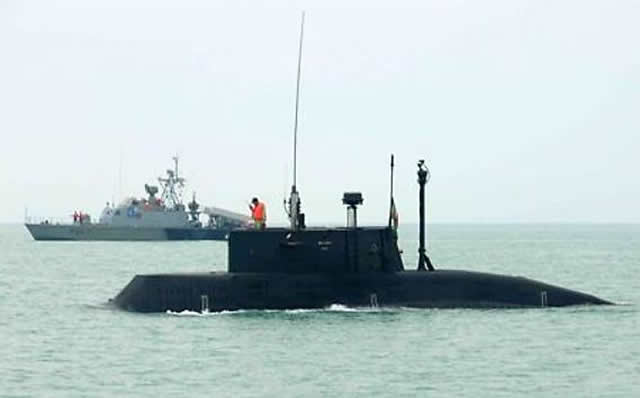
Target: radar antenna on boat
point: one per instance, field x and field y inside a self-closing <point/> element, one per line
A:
<point x="296" y="218"/>
<point x="172" y="187"/>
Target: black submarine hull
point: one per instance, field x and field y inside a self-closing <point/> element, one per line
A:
<point x="212" y="292"/>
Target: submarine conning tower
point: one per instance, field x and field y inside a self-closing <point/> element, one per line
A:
<point x="351" y="249"/>
<point x="347" y="250"/>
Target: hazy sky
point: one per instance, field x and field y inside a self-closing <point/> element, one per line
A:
<point x="524" y="110"/>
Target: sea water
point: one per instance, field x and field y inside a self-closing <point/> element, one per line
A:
<point x="59" y="338"/>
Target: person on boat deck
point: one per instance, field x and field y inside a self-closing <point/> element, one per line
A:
<point x="258" y="214"/>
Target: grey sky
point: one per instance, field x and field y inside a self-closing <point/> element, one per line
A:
<point x="524" y="110"/>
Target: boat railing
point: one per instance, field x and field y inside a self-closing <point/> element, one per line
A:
<point x="57" y="220"/>
<point x="48" y="220"/>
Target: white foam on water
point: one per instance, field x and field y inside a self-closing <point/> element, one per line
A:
<point x="186" y="313"/>
<point x="204" y="314"/>
<point x="344" y="308"/>
<point x="333" y="308"/>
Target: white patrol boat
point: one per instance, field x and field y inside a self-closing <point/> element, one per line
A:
<point x="150" y="218"/>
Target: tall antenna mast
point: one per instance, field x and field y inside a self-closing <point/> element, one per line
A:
<point x="295" y="123"/>
<point x="296" y="218"/>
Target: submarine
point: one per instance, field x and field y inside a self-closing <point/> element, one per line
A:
<point x="306" y="268"/>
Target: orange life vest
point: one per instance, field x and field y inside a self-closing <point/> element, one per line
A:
<point x="259" y="212"/>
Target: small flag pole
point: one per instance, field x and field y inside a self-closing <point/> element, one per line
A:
<point x="391" y="204"/>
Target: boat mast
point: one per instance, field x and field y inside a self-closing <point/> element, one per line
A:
<point x="295" y="217"/>
<point x="120" y="176"/>
<point x="172" y="187"/>
<point x="391" y="202"/>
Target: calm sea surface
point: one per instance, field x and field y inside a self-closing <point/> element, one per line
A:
<point x="60" y="339"/>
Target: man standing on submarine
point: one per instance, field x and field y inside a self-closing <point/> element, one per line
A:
<point x="258" y="214"/>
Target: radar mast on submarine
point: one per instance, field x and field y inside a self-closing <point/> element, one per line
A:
<point x="423" y="177"/>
